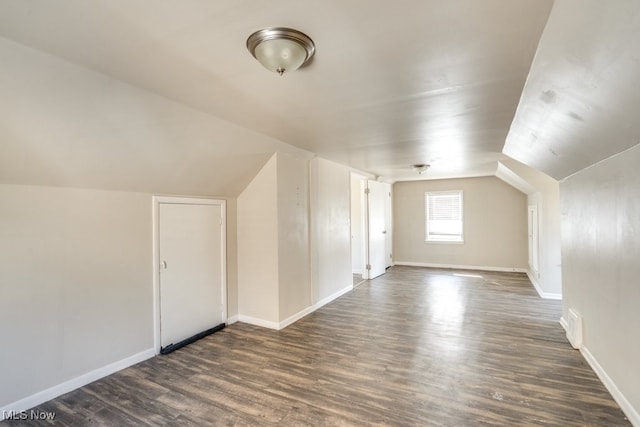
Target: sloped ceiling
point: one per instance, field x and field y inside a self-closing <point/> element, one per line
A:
<point x="581" y="101"/>
<point x="162" y="96"/>
<point x="63" y="125"/>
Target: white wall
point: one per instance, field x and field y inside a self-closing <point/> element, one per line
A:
<point x="232" y="257"/>
<point x="548" y="279"/>
<point x="495" y="225"/>
<point x="293" y="235"/>
<point x="357" y="242"/>
<point x="544" y="192"/>
<point x="75" y="284"/>
<point x="601" y="269"/>
<point x="258" y="246"/>
<point x="293" y="240"/>
<point x="330" y="232"/>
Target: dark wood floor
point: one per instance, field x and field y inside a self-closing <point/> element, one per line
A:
<point x="357" y="279"/>
<point x="413" y="347"/>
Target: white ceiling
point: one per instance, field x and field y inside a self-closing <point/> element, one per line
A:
<point x="581" y="101"/>
<point x="161" y="95"/>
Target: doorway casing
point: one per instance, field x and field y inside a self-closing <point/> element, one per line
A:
<point x="157" y="201"/>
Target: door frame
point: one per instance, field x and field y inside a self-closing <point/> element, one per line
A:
<point x="157" y="201"/>
<point x="361" y="232"/>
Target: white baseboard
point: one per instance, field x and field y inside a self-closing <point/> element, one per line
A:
<point x="356" y="272"/>
<point x="462" y="267"/>
<point x="72" y="384"/>
<point x="564" y="324"/>
<point x="257" y="322"/>
<point x="231" y="320"/>
<point x="536" y="285"/>
<point x="314" y="307"/>
<point x="326" y="300"/>
<point x="631" y="412"/>
<point x="294" y="318"/>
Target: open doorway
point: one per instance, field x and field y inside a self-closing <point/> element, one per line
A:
<point x="371" y="228"/>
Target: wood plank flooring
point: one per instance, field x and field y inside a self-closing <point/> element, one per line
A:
<point x="357" y="279"/>
<point x="416" y="346"/>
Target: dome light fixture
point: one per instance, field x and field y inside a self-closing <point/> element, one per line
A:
<point x="281" y="49"/>
<point x="420" y="168"/>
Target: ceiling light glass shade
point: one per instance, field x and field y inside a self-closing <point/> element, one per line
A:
<point x="280" y="55"/>
<point x="280" y="49"/>
<point x="420" y="168"/>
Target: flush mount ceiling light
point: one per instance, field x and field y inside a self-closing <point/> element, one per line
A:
<point x="420" y="168"/>
<point x="281" y="49"/>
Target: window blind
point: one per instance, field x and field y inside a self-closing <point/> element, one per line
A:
<point x="444" y="216"/>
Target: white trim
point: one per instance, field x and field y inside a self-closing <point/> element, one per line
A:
<point x="324" y="301"/>
<point x="186" y="200"/>
<point x="505" y="174"/>
<point x="461" y="267"/>
<point x="156" y="201"/>
<point x="541" y="293"/>
<point x="631" y="413"/>
<point x="564" y="324"/>
<point x="294" y="318"/>
<point x="257" y="322"/>
<point x="366" y="267"/>
<point x="427" y="196"/>
<point x="74" y="383"/>
<point x="231" y="320"/>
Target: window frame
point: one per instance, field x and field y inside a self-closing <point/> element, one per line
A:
<point x="458" y="239"/>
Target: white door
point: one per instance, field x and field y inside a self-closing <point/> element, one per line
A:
<point x="388" y="221"/>
<point x="191" y="258"/>
<point x="376" y="230"/>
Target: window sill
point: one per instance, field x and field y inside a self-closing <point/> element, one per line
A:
<point x="445" y="242"/>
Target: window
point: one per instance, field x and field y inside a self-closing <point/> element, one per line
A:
<point x="444" y="216"/>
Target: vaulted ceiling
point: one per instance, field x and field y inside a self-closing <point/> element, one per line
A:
<point x="162" y="96"/>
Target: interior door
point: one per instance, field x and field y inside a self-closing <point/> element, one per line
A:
<point x="377" y="242"/>
<point x="192" y="288"/>
<point x="388" y="221"/>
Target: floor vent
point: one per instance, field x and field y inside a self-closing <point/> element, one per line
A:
<point x="574" y="329"/>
